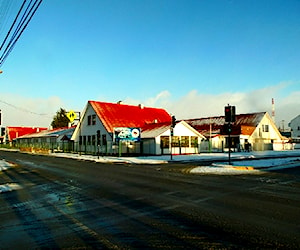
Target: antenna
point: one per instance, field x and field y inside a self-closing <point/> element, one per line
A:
<point x="273" y="110"/>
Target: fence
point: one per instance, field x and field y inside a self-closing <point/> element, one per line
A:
<point x="110" y="148"/>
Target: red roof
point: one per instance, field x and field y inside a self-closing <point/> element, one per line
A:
<point x="244" y="124"/>
<point x="115" y="115"/>
<point x="14" y="132"/>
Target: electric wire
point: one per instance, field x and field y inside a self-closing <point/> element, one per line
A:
<point x="22" y="19"/>
<point x="24" y="110"/>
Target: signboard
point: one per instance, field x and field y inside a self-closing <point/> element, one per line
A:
<point x="127" y="134"/>
<point x="71" y="116"/>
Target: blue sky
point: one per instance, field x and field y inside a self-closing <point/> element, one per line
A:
<point x="190" y="57"/>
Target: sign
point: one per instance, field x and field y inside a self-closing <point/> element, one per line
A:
<point x="127" y="134"/>
<point x="71" y="116"/>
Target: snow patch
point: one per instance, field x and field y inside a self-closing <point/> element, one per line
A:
<point x="5" y="165"/>
<point x="9" y="187"/>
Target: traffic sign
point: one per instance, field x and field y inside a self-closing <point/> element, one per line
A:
<point x="71" y="116"/>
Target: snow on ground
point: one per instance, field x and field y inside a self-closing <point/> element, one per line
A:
<point x="7" y="187"/>
<point x="241" y="162"/>
<point x="4" y="165"/>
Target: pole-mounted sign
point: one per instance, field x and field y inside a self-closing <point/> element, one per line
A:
<point x="71" y="116"/>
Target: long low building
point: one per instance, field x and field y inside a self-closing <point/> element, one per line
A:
<point x="117" y="128"/>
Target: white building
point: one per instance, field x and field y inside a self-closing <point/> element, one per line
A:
<point x="100" y="123"/>
<point x="295" y="126"/>
<point x="255" y="129"/>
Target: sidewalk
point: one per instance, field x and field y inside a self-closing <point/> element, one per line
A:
<point x="211" y="163"/>
<point x="203" y="157"/>
<point x="217" y="163"/>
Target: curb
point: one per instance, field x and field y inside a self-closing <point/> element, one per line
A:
<point x="243" y="168"/>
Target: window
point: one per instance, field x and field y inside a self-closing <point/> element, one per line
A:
<point x="93" y="119"/>
<point x="265" y="128"/>
<point x="164" y="141"/>
<point x="93" y="140"/>
<point x="175" y="141"/>
<point x="184" y="141"/>
<point x="194" y="141"/>
<point x="298" y="127"/>
<point x="104" y="140"/>
<point x="89" y="140"/>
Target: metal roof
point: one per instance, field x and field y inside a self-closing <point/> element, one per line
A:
<point x="155" y="129"/>
<point x="15" y="132"/>
<point x="51" y="133"/>
<point x="114" y="115"/>
<point x="212" y="125"/>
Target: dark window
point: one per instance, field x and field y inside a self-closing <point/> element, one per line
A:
<point x="93" y="119"/>
<point x="89" y="120"/>
<point x="194" y="141"/>
<point x="265" y="128"/>
<point x="104" y="140"/>
<point x="164" y="141"/>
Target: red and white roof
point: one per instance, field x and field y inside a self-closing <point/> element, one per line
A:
<point x="15" y="132"/>
<point x="114" y="115"/>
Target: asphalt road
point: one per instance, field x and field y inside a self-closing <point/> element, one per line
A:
<point x="63" y="203"/>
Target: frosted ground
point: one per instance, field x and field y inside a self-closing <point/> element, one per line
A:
<point x="243" y="162"/>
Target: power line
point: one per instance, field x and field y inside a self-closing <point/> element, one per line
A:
<point x="22" y="19"/>
<point x="24" y="110"/>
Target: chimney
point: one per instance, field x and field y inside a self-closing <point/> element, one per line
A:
<point x="119" y="102"/>
<point x="141" y="106"/>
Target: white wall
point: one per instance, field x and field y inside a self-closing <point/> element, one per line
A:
<point x="295" y="125"/>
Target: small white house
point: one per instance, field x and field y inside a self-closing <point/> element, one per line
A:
<point x="158" y="139"/>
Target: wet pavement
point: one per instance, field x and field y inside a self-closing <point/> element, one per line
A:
<point x="63" y="203"/>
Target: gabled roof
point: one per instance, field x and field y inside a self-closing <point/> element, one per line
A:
<point x="155" y="129"/>
<point x="114" y="115"/>
<point x="15" y="132"/>
<point x="213" y="125"/>
<point x="65" y="132"/>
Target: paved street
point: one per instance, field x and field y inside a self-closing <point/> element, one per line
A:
<point x="66" y="203"/>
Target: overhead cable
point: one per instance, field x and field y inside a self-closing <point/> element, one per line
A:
<point x="19" y="24"/>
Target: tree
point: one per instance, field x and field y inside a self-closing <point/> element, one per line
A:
<point x="60" y="119"/>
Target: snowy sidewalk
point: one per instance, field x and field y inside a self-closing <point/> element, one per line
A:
<point x="241" y="163"/>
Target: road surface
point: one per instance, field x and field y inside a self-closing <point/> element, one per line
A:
<point x="64" y="203"/>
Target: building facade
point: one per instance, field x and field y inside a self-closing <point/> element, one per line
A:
<point x="254" y="131"/>
<point x="96" y="131"/>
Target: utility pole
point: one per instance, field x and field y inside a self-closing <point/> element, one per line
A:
<point x="229" y="118"/>
<point x="173" y="123"/>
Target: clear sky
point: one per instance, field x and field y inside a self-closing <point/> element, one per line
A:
<point x="191" y="57"/>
